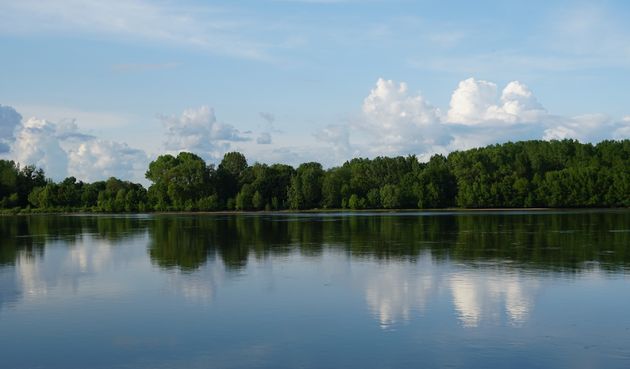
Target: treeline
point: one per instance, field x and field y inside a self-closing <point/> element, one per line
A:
<point x="27" y="188"/>
<point x="522" y="174"/>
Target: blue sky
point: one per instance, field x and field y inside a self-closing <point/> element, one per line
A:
<point x="103" y="87"/>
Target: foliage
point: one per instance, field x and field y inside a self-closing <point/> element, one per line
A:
<point x="521" y="174"/>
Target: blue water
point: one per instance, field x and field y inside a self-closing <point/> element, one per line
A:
<point x="383" y="290"/>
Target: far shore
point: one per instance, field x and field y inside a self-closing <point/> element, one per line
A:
<point x="310" y="211"/>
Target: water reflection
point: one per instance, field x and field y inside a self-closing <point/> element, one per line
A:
<point x="27" y="235"/>
<point x="478" y="296"/>
<point x="199" y="287"/>
<point x="10" y="291"/>
<point x="489" y="263"/>
<point x="41" y="254"/>
<point x="314" y="290"/>
<point x="66" y="267"/>
<point x="400" y="291"/>
<point x="528" y="241"/>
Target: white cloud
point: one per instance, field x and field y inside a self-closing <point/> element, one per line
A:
<point x="100" y="159"/>
<point x="588" y="128"/>
<point x="37" y="144"/>
<point x="389" y="101"/>
<point x="471" y="101"/>
<point x="519" y="104"/>
<point x="62" y="150"/>
<point x="475" y="102"/>
<point x="395" y="122"/>
<point x="399" y="122"/>
<point x="198" y="131"/>
<point x="9" y="120"/>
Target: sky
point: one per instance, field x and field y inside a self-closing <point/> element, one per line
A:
<point x="94" y="89"/>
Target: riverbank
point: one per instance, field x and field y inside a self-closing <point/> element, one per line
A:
<point x="13" y="212"/>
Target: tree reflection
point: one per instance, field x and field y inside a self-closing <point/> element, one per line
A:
<point x="566" y="242"/>
<point x="27" y="235"/>
<point x="85" y="243"/>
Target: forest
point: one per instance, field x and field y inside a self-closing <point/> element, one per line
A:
<point x="525" y="174"/>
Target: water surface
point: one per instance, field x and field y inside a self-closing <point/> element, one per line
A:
<point x="335" y="290"/>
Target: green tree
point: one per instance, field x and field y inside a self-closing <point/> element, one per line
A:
<point x="178" y="181"/>
<point x="437" y="186"/>
<point x="229" y="174"/>
<point x="258" y="202"/>
<point x="356" y="202"/>
<point x="390" y="196"/>
<point x="305" y="190"/>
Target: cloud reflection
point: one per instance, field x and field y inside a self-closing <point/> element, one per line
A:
<point x="63" y="268"/>
<point x="30" y="281"/>
<point x="479" y="295"/>
<point x="397" y="292"/>
<point x="199" y="287"/>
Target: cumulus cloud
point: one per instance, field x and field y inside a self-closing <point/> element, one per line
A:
<point x="396" y="122"/>
<point x="62" y="149"/>
<point x="9" y="120"/>
<point x="389" y="101"/>
<point x="471" y="101"/>
<point x="197" y="130"/>
<point x="37" y="144"/>
<point x="99" y="159"/>
<point x="67" y="129"/>
<point x="399" y="121"/>
<point x="475" y="102"/>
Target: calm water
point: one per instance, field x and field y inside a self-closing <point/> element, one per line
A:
<point x="473" y="290"/>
